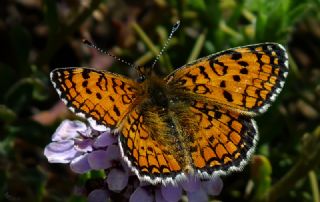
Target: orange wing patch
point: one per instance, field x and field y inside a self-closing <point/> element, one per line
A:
<point x="245" y="79"/>
<point x="102" y="97"/>
<point x="225" y="139"/>
<point x="149" y="159"/>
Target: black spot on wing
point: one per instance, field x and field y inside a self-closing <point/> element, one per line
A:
<point x="236" y="56"/>
<point x="227" y="96"/>
<point x="85" y="73"/>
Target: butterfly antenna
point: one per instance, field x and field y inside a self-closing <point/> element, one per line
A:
<point x="88" y="43"/>
<point x="173" y="30"/>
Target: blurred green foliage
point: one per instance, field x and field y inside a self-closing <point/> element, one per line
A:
<point x="38" y="37"/>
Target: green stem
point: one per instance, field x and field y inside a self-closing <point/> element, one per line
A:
<point x="197" y="47"/>
<point x="153" y="48"/>
<point x="228" y="30"/>
<point x="314" y="186"/>
<point x="144" y="59"/>
<point x="145" y="38"/>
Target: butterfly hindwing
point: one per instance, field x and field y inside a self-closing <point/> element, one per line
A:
<point x="103" y="98"/>
<point x="245" y="79"/>
<point x="224" y="140"/>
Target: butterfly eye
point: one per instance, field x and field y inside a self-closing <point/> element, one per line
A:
<point x="141" y="78"/>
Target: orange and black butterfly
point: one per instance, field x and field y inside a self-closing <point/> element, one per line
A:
<point x="195" y="121"/>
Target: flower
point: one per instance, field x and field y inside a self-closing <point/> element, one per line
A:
<point x="195" y="189"/>
<point x="86" y="149"/>
<point x="81" y="146"/>
<point x="98" y="195"/>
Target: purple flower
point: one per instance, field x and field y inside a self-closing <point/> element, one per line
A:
<point x="197" y="196"/>
<point x="81" y="146"/>
<point x="141" y="194"/>
<point x="98" y="195"/>
<point x="192" y="184"/>
<point x="194" y="188"/>
<point x="86" y="149"/>
<point x="213" y="187"/>
<point x="171" y="193"/>
<point x="117" y="180"/>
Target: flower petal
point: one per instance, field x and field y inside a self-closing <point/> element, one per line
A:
<point x="213" y="186"/>
<point x="68" y="130"/>
<point x="98" y="195"/>
<point x="88" y="132"/>
<point x="117" y="180"/>
<point x="191" y="184"/>
<point x="197" y="196"/>
<point x="97" y="126"/>
<point x="113" y="152"/>
<point x="140" y="194"/>
<point x="61" y="152"/>
<point x="104" y="139"/>
<point x="80" y="164"/>
<point x="84" y="145"/>
<point x="159" y="197"/>
<point x="99" y="159"/>
<point x="171" y="193"/>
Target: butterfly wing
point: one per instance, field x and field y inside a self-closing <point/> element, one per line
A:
<point x="246" y="79"/>
<point x="224" y="140"/>
<point x="103" y="98"/>
<point x="149" y="158"/>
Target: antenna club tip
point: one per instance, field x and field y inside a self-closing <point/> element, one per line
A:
<point x="176" y="26"/>
<point x="85" y="41"/>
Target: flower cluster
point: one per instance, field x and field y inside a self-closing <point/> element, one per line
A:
<point x="87" y="149"/>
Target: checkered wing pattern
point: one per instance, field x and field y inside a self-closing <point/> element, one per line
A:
<point x="244" y="79"/>
<point x="103" y="98"/>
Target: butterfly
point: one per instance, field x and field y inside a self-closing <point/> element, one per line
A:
<point x="198" y="120"/>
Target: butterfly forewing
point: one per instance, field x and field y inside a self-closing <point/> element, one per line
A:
<point x="102" y="97"/>
<point x="245" y="79"/>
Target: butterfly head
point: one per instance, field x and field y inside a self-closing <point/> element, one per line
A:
<point x="143" y="73"/>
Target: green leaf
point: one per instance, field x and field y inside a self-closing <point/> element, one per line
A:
<point x="261" y="175"/>
<point x="6" y="114"/>
<point x="197" y="4"/>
